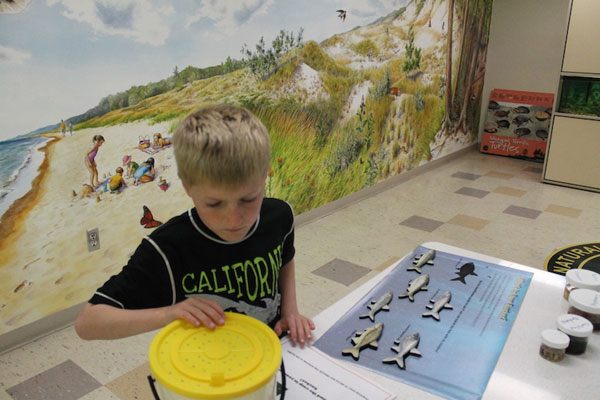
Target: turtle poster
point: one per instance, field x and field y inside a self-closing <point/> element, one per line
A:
<point x="517" y="124"/>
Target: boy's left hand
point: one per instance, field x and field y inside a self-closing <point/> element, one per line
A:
<point x="297" y="325"/>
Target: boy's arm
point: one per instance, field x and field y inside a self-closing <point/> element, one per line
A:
<point x="101" y="321"/>
<point x="299" y="326"/>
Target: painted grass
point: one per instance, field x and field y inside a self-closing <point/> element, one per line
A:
<point x="305" y="171"/>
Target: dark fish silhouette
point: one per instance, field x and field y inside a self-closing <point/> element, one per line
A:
<point x="342" y="14"/>
<point x="466" y="269"/>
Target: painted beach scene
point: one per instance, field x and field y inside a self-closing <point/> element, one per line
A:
<point x="352" y="93"/>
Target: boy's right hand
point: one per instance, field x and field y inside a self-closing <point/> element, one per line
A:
<point x="198" y="312"/>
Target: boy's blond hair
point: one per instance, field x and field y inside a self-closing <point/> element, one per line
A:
<point x="221" y="145"/>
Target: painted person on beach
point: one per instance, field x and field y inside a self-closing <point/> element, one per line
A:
<point x="117" y="183"/>
<point x="145" y="172"/>
<point x="233" y="251"/>
<point x="90" y="160"/>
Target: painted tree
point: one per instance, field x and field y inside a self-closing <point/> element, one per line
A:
<point x="448" y="117"/>
<point x="461" y="108"/>
<point x="469" y="79"/>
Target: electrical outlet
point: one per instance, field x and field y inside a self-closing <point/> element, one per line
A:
<point x="93" y="239"/>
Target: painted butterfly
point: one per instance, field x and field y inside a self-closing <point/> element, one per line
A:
<point x="148" y="220"/>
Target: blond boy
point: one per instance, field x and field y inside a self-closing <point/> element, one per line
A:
<point x="233" y="251"/>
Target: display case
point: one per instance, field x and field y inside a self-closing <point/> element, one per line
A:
<point x="572" y="153"/>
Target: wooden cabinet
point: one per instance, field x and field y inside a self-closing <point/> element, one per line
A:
<point x="581" y="49"/>
<point x="573" y="152"/>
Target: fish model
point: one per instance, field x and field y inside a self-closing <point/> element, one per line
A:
<point x="368" y="337"/>
<point x="376" y="306"/>
<point x="414" y="286"/>
<point x="421" y="260"/>
<point x="407" y="346"/>
<point x="466" y="269"/>
<point x="438" y="305"/>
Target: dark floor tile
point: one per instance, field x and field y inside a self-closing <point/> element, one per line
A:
<point x="467" y="191"/>
<point x="422" y="223"/>
<point x="522" y="212"/>
<point x="342" y="271"/>
<point x="66" y="381"/>
<point x="466" y="175"/>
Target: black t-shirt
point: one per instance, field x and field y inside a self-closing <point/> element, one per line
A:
<point x="183" y="258"/>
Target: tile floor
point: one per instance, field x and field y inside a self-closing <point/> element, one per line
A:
<point x="488" y="204"/>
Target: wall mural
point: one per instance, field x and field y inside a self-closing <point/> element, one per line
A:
<point x="351" y="92"/>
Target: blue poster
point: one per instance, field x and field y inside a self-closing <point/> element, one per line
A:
<point x="444" y="325"/>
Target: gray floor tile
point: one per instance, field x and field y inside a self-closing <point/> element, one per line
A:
<point x="342" y="271"/>
<point x="66" y="381"/>
<point x="466" y="175"/>
<point x="522" y="212"/>
<point x="422" y="223"/>
<point x="467" y="191"/>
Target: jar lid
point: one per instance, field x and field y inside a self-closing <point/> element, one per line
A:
<point x="555" y="339"/>
<point x="585" y="300"/>
<point x="574" y="325"/>
<point x="230" y="361"/>
<point x="583" y="278"/>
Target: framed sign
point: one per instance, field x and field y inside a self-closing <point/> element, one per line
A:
<point x="517" y="124"/>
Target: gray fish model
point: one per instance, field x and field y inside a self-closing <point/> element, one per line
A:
<point x="421" y="260"/>
<point x="438" y="305"/>
<point x="368" y="337"/>
<point x="414" y="286"/>
<point x="376" y="306"/>
<point x="466" y="269"/>
<point x="408" y="345"/>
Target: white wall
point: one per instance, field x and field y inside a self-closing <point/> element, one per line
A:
<point x="525" y="51"/>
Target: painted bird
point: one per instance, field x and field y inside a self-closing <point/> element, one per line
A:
<point x="342" y="14"/>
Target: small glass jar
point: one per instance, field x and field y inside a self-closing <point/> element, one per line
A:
<point x="581" y="279"/>
<point x="586" y="302"/>
<point x="578" y="329"/>
<point x="554" y="344"/>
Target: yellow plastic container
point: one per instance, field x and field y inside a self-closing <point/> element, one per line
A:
<point x="238" y="360"/>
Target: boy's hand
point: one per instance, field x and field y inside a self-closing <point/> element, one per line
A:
<point x="198" y="312"/>
<point x="297" y="325"/>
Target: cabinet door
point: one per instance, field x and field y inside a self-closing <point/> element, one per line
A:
<point x="581" y="51"/>
<point x="574" y="152"/>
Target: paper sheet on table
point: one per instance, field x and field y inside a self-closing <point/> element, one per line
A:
<point x="311" y="374"/>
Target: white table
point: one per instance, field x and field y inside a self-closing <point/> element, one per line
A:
<point x="521" y="373"/>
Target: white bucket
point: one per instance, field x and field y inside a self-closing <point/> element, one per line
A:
<point x="238" y="360"/>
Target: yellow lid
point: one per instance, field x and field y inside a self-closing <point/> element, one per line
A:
<point x="230" y="361"/>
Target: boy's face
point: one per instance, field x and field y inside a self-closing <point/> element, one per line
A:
<point x="228" y="212"/>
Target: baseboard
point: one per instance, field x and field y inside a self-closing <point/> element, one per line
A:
<point x="40" y="328"/>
